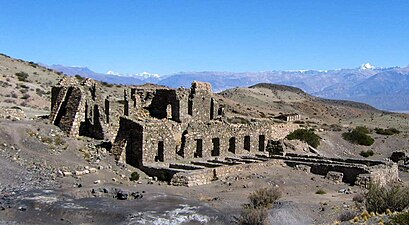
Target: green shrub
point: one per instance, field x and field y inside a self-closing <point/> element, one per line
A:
<point x="362" y="130"/>
<point x="106" y="84"/>
<point x="400" y="219"/>
<point x="359" y="136"/>
<point x="366" y="154"/>
<point x="380" y="198"/>
<point x="305" y="135"/>
<point x="33" y="64"/>
<point x="22" y="76"/>
<point x="388" y="131"/>
<point x="134" y="176"/>
<point x="79" y="78"/>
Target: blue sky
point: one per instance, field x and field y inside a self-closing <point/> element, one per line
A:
<point x="171" y="36"/>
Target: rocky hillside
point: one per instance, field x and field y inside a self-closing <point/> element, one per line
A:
<point x="26" y="84"/>
<point x="270" y="100"/>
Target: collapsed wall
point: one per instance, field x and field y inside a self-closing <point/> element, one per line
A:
<point x="76" y="108"/>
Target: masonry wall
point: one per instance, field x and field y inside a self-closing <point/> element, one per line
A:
<point x="178" y="141"/>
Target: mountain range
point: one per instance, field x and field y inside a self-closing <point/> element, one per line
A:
<point x="383" y="88"/>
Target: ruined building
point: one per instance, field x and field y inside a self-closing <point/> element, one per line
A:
<point x="158" y="125"/>
<point x="184" y="136"/>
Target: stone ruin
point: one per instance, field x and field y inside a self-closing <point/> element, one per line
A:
<point x="165" y="131"/>
<point x="289" y="117"/>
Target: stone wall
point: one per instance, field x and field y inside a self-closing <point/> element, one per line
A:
<point x="167" y="140"/>
<point x="206" y="176"/>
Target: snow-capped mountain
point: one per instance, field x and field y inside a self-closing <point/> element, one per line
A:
<point x="144" y="75"/>
<point x="367" y="66"/>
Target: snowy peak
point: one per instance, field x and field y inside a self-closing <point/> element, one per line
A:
<point x="143" y="75"/>
<point x="110" y="72"/>
<point x="367" y="66"/>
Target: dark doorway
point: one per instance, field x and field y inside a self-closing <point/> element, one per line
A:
<point x="160" y="156"/>
<point x="212" y="109"/>
<point x="232" y="145"/>
<point x="261" y="142"/>
<point x="199" y="148"/>
<point x="247" y="143"/>
<point x="216" y="147"/>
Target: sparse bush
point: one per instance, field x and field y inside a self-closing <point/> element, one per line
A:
<point x="336" y="127"/>
<point x="388" y="131"/>
<point x="346" y="216"/>
<point x="387" y="197"/>
<point x="22" y="76"/>
<point x="77" y="76"/>
<point x="366" y="154"/>
<point x="47" y="140"/>
<point x="264" y="197"/>
<point x="320" y="192"/>
<point x="14" y="94"/>
<point x="40" y="92"/>
<point x="25" y="96"/>
<point x="165" y="176"/>
<point x="306" y="135"/>
<point x="33" y="64"/>
<point x="359" y="136"/>
<point x="106" y="84"/>
<point x="58" y="140"/>
<point x="23" y="86"/>
<point x="134" y="176"/>
<point x="10" y="101"/>
<point x="255" y="212"/>
<point x="239" y="120"/>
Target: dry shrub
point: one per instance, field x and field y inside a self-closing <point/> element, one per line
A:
<point x="379" y="198"/>
<point x="346" y="216"/>
<point x="264" y="197"/>
<point x="255" y="212"/>
<point x="252" y="216"/>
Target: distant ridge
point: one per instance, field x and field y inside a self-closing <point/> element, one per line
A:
<point x="383" y="88"/>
